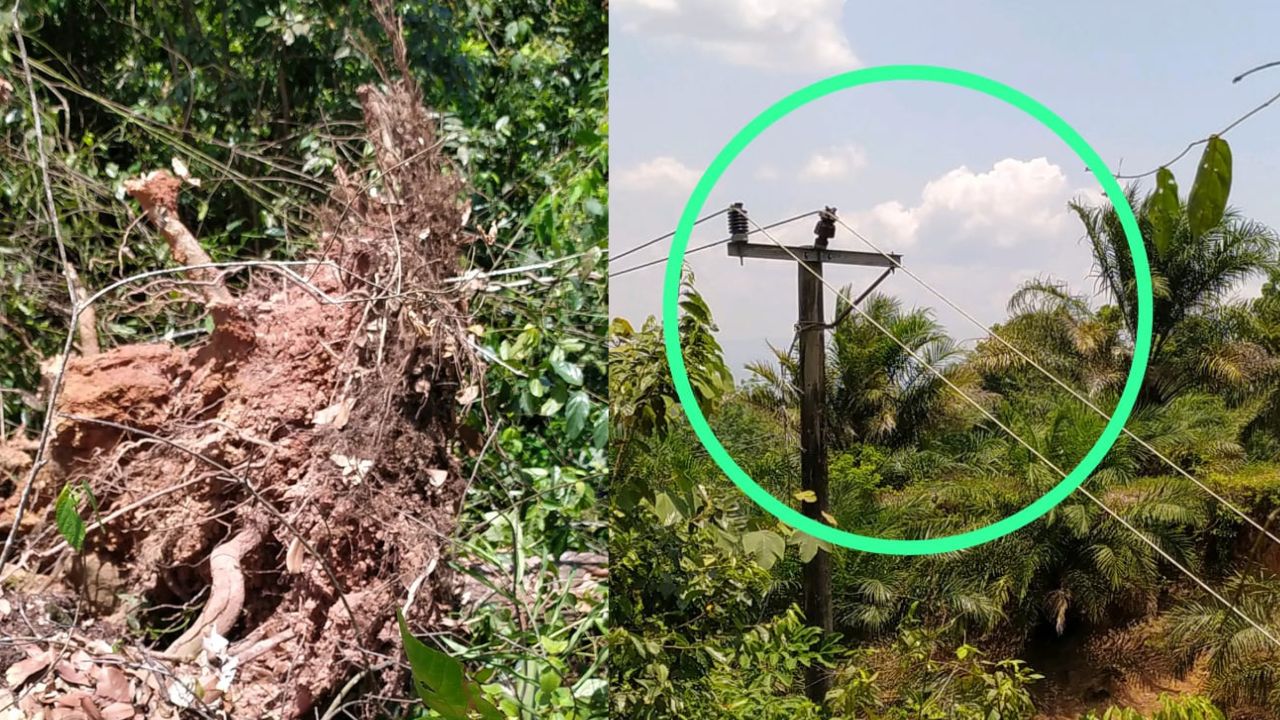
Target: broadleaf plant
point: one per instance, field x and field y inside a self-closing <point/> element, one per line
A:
<point x="441" y="681"/>
<point x="1208" y="199"/>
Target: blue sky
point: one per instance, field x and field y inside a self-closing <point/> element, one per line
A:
<point x="972" y="192"/>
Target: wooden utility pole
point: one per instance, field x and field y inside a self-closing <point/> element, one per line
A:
<point x="811" y="328"/>
<point x="813" y="459"/>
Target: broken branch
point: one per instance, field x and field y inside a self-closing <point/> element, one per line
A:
<point x="157" y="192"/>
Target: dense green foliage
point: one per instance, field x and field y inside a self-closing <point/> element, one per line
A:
<point x="698" y="572"/>
<point x="258" y="99"/>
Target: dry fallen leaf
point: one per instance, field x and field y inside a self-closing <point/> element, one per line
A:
<point x="336" y="414"/>
<point x="82" y="661"/>
<point x="181" y="170"/>
<point x="118" y="711"/>
<point x="353" y="468"/>
<point x="20" y="671"/>
<point x="69" y="673"/>
<point x="11" y="710"/>
<point x="180" y="693"/>
<point x="113" y="684"/>
<point x="72" y="699"/>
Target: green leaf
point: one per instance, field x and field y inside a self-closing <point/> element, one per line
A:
<point x="619" y="327"/>
<point x="765" y="546"/>
<point x="1163" y="210"/>
<point x="569" y="372"/>
<point x="553" y="646"/>
<point x="431" y="668"/>
<point x="550" y="407"/>
<point x="440" y="681"/>
<point x="600" y="435"/>
<point x="67" y="517"/>
<point x="576" y="413"/>
<point x="665" y="508"/>
<point x="1208" y="199"/>
<point x="808" y="546"/>
<point x="549" y="681"/>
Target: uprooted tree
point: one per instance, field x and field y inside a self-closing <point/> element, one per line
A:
<point x="289" y="481"/>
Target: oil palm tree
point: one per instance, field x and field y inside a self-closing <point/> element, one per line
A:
<point x="1082" y="346"/>
<point x="1192" y="278"/>
<point x="1243" y="663"/>
<point x="876" y="391"/>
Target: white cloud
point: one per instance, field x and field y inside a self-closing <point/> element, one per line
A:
<point x="888" y="225"/>
<point x="834" y="163"/>
<point x="791" y="36"/>
<point x="663" y="174"/>
<point x="1014" y="197"/>
<point x="1016" y="200"/>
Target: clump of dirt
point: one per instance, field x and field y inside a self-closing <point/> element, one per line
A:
<point x="291" y="479"/>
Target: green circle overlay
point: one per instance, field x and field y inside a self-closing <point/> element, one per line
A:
<point x="671" y="297"/>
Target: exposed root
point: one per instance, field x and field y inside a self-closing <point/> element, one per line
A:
<point x="226" y="594"/>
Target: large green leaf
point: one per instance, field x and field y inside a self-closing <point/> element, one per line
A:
<point x="665" y="508"/>
<point x="440" y="681"/>
<point x="568" y="371"/>
<point x="1208" y="199"/>
<point x="766" y="546"/>
<point x="67" y="516"/>
<point x="808" y="546"/>
<point x="1163" y="210"/>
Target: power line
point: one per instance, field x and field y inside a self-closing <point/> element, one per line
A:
<point x="1062" y="384"/>
<point x="1154" y="546"/>
<point x="700" y="248"/>
<point x="659" y="261"/>
<point x="660" y="238"/>
<point x="1221" y="132"/>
